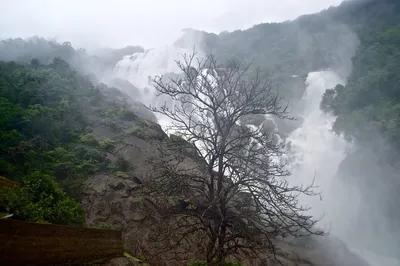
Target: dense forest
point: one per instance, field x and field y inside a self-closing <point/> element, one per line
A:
<point x="369" y="103"/>
<point x="47" y="145"/>
<point x="47" y="105"/>
<point x="98" y="63"/>
<point x="367" y="110"/>
<point x="291" y="49"/>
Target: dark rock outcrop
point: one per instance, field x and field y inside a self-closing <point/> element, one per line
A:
<point x="120" y="199"/>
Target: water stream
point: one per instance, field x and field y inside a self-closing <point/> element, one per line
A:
<point x="316" y="150"/>
<point x="318" y="153"/>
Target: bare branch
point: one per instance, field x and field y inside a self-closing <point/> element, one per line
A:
<point x="237" y="191"/>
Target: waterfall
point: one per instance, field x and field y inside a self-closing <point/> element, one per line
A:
<point x="139" y="67"/>
<point x="317" y="153"/>
<point x="315" y="150"/>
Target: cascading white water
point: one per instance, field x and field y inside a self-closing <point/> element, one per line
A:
<point x="137" y="69"/>
<point x="318" y="153"/>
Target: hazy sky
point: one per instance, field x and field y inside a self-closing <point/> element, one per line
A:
<point x="116" y="23"/>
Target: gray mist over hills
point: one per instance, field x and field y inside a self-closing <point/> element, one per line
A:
<point x="316" y="151"/>
<point x="97" y="24"/>
<point x="305" y="56"/>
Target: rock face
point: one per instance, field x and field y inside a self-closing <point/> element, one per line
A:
<point x="119" y="94"/>
<point x="115" y="201"/>
<point x="119" y="199"/>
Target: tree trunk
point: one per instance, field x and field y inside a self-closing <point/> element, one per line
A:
<point x="211" y="250"/>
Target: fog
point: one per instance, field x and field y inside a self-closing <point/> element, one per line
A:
<point x="151" y="23"/>
<point x="156" y="23"/>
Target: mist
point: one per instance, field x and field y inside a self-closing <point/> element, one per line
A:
<point x="127" y="41"/>
<point x="370" y="175"/>
<point x="97" y="24"/>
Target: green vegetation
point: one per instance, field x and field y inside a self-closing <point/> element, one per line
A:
<point x="135" y="260"/>
<point x="369" y="104"/>
<point x="42" y="200"/>
<point x="367" y="111"/>
<point x="107" y="145"/>
<point x="113" y="116"/>
<point x="46" y="143"/>
<point x="40" y="49"/>
<point x="105" y="227"/>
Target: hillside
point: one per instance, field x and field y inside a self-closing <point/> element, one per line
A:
<point x="325" y="40"/>
<point x="79" y="153"/>
<point x="99" y="64"/>
<point x="79" y="148"/>
<point x="367" y="104"/>
<point x="360" y="41"/>
<point x="48" y="114"/>
<point x="367" y="111"/>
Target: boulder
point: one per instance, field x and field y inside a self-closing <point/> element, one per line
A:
<point x="121" y="203"/>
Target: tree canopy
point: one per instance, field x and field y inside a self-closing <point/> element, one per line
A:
<point x="46" y="143"/>
<point x="369" y="104"/>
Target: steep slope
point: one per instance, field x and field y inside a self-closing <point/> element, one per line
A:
<point x="62" y="135"/>
<point x="107" y="147"/>
<point x="367" y="110"/>
<point x="99" y="64"/>
<point x="362" y="35"/>
<point x="48" y="116"/>
<point x="124" y="204"/>
<point x="310" y="42"/>
<point x="290" y="49"/>
<point x="328" y="39"/>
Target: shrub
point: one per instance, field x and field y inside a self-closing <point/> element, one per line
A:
<point x="129" y="115"/>
<point x="107" y="144"/>
<point x="88" y="139"/>
<point x="105" y="227"/>
<point x="123" y="164"/>
<point x="110" y="122"/>
<point x="41" y="200"/>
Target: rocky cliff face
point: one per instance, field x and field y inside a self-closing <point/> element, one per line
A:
<point x="121" y="201"/>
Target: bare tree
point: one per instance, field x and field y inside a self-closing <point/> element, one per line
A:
<point x="236" y="197"/>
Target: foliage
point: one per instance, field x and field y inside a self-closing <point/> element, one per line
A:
<point x="370" y="103"/>
<point x="123" y="164"/>
<point x="41" y="200"/>
<point x="116" y="113"/>
<point x="104" y="227"/>
<point x="88" y="139"/>
<point x="114" y="116"/>
<point x="45" y="140"/>
<point x="139" y="260"/>
<point x="35" y="49"/>
<point x="367" y="111"/>
<point x="107" y="145"/>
